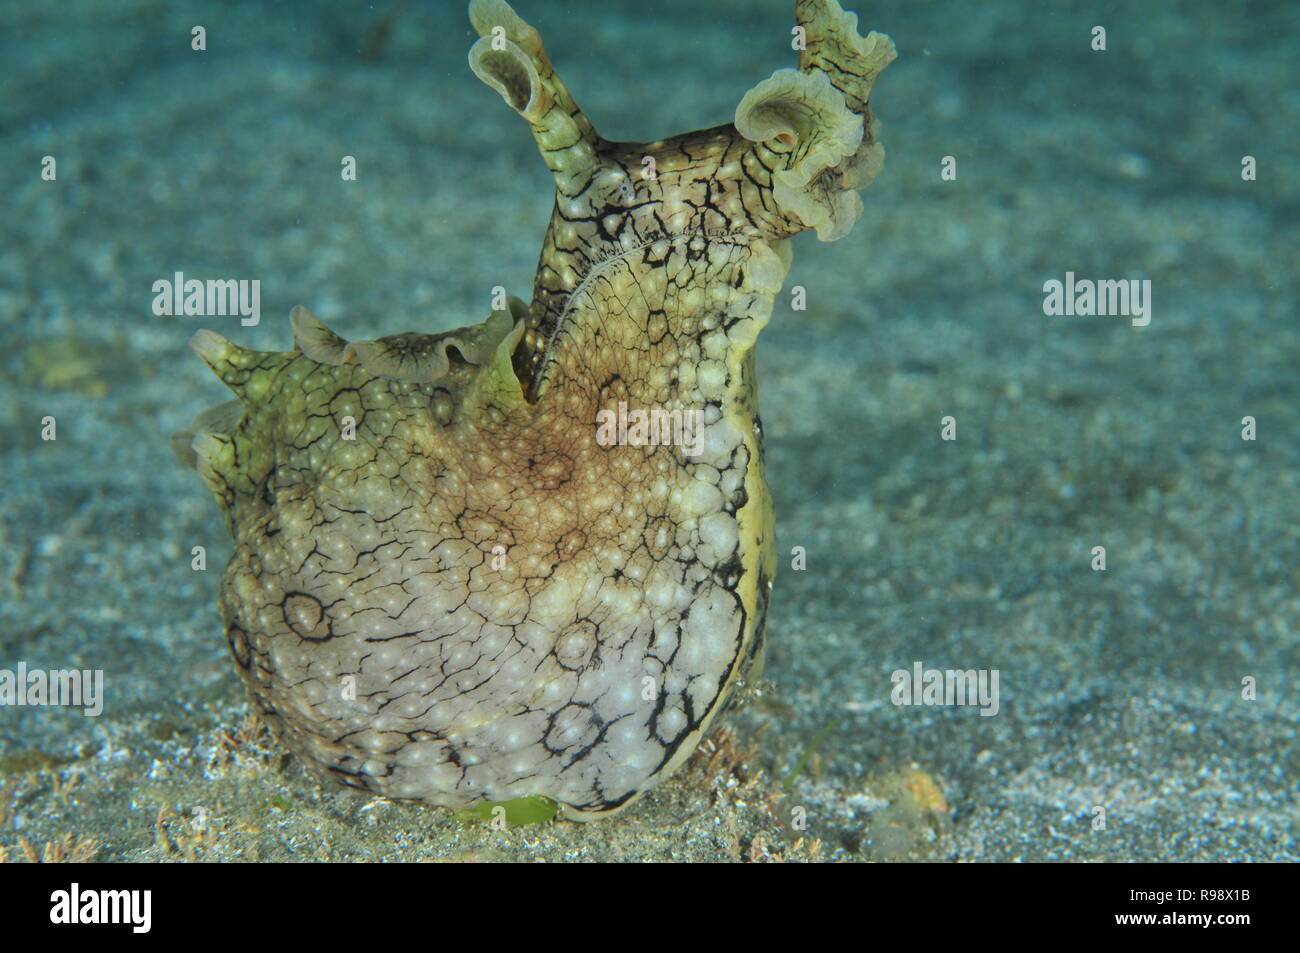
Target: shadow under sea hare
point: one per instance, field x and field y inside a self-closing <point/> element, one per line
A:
<point x="445" y="586"/>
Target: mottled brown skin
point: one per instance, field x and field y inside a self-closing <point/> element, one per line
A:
<point x="444" y="587"/>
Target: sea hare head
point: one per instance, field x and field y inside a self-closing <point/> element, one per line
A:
<point x="532" y="557"/>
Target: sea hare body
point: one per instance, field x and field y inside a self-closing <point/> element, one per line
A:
<point x="466" y="568"/>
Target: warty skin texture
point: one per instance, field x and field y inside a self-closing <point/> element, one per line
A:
<point x="444" y="589"/>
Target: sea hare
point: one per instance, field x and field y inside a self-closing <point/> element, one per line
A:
<point x="455" y="580"/>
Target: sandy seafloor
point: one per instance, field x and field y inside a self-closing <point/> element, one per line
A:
<point x="1119" y="689"/>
